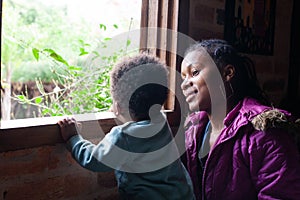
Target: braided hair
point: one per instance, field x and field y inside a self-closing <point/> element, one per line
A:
<point x="245" y="82"/>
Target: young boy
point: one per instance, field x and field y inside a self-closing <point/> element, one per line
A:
<point x="142" y="150"/>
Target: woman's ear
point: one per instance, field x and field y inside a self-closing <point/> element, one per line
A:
<point x="228" y="72"/>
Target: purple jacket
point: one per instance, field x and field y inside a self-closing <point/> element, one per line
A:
<point x="245" y="162"/>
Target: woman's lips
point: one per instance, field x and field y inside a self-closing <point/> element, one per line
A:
<point x="190" y="96"/>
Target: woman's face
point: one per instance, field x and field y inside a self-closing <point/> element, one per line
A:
<point x="197" y="73"/>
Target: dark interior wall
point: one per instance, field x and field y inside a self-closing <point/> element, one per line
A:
<point x="292" y="98"/>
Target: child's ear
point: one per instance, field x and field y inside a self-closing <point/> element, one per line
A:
<point x="116" y="108"/>
<point x="111" y="108"/>
<point x="228" y="72"/>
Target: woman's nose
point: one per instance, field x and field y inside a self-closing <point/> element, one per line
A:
<point x="185" y="84"/>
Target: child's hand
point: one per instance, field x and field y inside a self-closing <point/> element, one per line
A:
<point x="68" y="128"/>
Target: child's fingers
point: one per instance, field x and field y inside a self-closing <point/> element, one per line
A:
<point x="61" y="123"/>
<point x="69" y="121"/>
<point x="65" y="121"/>
<point x="79" y="125"/>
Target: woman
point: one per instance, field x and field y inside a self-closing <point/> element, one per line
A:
<point x="238" y="147"/>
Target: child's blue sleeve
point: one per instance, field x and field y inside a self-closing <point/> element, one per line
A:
<point x="105" y="156"/>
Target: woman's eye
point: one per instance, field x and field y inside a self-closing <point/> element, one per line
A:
<point x="195" y="73"/>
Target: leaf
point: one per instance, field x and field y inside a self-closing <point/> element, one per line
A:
<point x="36" y="53"/>
<point x="128" y="42"/>
<point x="75" y="68"/>
<point x="49" y="51"/>
<point x="107" y="39"/>
<point x="56" y="56"/>
<point x="116" y="26"/>
<point x="38" y="100"/>
<point x="102" y="26"/>
<point x="96" y="53"/>
<point x="81" y="42"/>
<point x="83" y="52"/>
<point x="59" y="58"/>
<point x="46" y="111"/>
<point x="21" y="97"/>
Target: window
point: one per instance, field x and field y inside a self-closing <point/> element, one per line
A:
<point x="47" y="48"/>
<point x="165" y="14"/>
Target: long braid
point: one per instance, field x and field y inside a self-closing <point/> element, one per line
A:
<point x="254" y="89"/>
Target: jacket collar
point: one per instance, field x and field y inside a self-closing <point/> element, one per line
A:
<point x="195" y="118"/>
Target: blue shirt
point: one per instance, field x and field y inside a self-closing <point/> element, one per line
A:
<point x="145" y="159"/>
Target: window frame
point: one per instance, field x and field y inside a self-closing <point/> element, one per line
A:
<point x="170" y="14"/>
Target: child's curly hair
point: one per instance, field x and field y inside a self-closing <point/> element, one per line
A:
<point x="138" y="83"/>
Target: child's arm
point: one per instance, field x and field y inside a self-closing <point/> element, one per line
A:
<point x="104" y="156"/>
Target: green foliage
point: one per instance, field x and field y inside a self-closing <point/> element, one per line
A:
<point x="27" y="24"/>
<point x="102" y="26"/>
<point x="116" y="26"/>
<point x="36" y="53"/>
<point x="56" y="56"/>
<point x="39" y="45"/>
<point x="42" y="70"/>
<point x="79" y="89"/>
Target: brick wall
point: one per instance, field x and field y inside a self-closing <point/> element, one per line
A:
<point x="49" y="172"/>
<point x="207" y="21"/>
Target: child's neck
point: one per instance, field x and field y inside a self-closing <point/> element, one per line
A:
<point x="141" y="119"/>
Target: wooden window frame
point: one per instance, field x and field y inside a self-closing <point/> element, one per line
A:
<point x="166" y="15"/>
<point x="169" y="14"/>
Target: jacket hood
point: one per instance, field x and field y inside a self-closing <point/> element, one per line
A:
<point x="262" y="117"/>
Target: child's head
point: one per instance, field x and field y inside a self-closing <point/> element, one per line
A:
<point x="138" y="83"/>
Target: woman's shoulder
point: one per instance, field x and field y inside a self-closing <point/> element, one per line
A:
<point x="266" y="123"/>
<point x="273" y="118"/>
<point x="263" y="117"/>
<point x="272" y="127"/>
<point x="275" y="123"/>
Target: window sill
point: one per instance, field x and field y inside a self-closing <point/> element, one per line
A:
<point x="29" y="122"/>
<point x="34" y="132"/>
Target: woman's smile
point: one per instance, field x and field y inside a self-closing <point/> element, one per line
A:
<point x="189" y="96"/>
